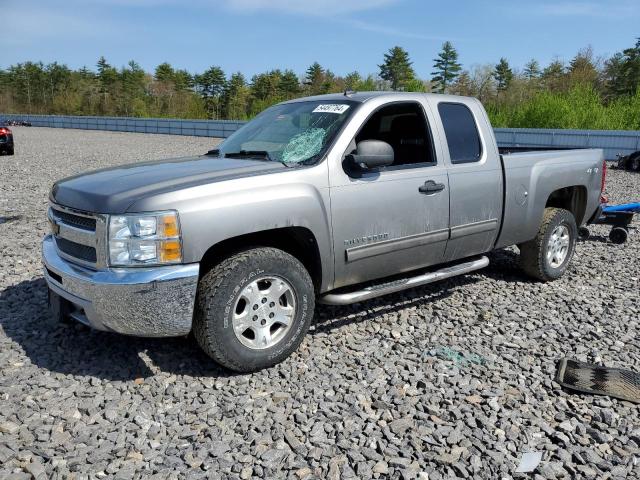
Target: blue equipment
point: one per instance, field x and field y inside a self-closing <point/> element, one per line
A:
<point x="627" y="207"/>
<point x="619" y="216"/>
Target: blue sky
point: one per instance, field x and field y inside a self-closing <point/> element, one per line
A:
<point x="344" y="35"/>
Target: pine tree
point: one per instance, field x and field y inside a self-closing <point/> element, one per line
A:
<point x="532" y="70"/>
<point x="582" y="69"/>
<point x="85" y="73"/>
<point x="314" y="79"/>
<point x="553" y="76"/>
<point x="396" y="68"/>
<point x="503" y="75"/>
<point x="289" y="86"/>
<point x="132" y="92"/>
<point x="630" y="79"/>
<point x="211" y="85"/>
<point x="446" y="68"/>
<point x="107" y="76"/>
<point x="236" y="97"/>
<point x="182" y="80"/>
<point x="613" y="76"/>
<point x="164" y="73"/>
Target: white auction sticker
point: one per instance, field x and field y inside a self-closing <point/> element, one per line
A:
<point x="331" y="108"/>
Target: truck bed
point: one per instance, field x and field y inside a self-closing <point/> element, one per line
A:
<point x="532" y="176"/>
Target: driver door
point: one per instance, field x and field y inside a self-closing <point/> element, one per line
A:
<point x="384" y="223"/>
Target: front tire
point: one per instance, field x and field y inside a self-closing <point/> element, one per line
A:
<point x="548" y="255"/>
<point x="253" y="309"/>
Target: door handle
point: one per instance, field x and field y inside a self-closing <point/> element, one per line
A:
<point x="431" y="187"/>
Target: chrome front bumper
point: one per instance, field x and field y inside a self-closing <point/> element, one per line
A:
<point x="146" y="302"/>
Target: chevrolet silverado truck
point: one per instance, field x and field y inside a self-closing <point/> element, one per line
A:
<point x="333" y="199"/>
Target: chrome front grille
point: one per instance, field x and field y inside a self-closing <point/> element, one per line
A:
<point x="77" y="250"/>
<point x="77" y="221"/>
<point x="80" y="236"/>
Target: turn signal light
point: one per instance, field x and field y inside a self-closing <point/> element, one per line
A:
<point x="170" y="251"/>
<point x="169" y="226"/>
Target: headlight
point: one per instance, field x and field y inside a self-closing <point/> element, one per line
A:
<point x="144" y="239"/>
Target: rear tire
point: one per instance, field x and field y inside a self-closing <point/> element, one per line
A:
<point x="547" y="256"/>
<point x="10" y="151"/>
<point x="253" y="309"/>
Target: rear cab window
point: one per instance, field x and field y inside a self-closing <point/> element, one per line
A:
<point x="461" y="132"/>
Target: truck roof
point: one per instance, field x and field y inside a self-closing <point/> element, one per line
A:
<point x="362" y="97"/>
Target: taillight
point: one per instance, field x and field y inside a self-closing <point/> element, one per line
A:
<point x="603" y="198"/>
<point x="4" y="131"/>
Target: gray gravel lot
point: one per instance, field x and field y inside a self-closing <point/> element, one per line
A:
<point x="449" y="380"/>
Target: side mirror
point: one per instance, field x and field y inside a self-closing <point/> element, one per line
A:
<point x="372" y="154"/>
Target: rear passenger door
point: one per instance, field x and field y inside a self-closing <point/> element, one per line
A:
<point x="386" y="221"/>
<point x="475" y="178"/>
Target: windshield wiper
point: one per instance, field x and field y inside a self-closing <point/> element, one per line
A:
<point x="249" y="154"/>
<point x="215" y="151"/>
<point x="256" y="154"/>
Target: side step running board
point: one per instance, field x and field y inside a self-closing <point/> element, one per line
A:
<point x="404" y="283"/>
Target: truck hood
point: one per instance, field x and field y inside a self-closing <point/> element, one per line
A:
<point x="113" y="190"/>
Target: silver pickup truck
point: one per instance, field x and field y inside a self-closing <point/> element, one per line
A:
<point x="335" y="198"/>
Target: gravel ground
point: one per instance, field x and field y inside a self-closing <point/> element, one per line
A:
<point x="449" y="380"/>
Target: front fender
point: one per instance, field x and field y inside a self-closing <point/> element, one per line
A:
<point x="210" y="214"/>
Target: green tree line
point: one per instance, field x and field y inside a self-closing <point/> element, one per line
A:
<point x="587" y="92"/>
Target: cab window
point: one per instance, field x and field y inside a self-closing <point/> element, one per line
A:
<point x="461" y="132"/>
<point x="405" y="128"/>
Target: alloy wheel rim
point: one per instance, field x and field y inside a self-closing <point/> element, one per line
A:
<point x="263" y="312"/>
<point x="558" y="246"/>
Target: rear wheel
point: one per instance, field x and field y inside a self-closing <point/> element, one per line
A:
<point x="547" y="256"/>
<point x="253" y="309"/>
<point x="10" y="151"/>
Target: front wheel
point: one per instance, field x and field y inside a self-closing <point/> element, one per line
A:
<point x="253" y="309"/>
<point x="547" y="256"/>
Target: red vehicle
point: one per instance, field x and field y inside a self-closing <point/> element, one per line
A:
<point x="6" y="141"/>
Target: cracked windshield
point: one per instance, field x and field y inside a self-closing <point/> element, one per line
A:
<point x="292" y="133"/>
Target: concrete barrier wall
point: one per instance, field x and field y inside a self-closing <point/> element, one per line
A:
<point x="613" y="142"/>
<point x="199" y="128"/>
